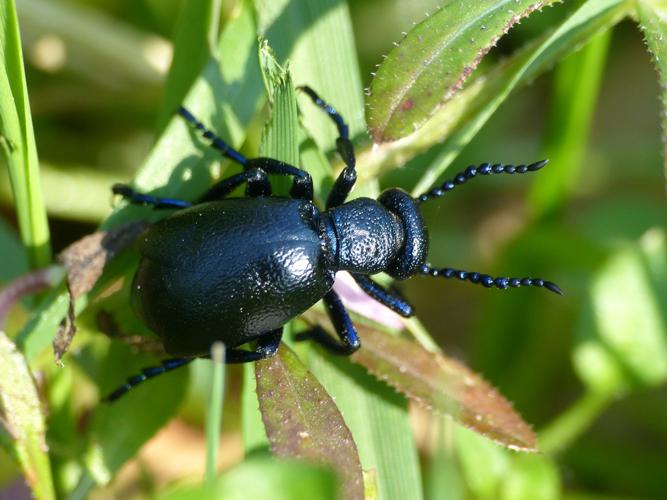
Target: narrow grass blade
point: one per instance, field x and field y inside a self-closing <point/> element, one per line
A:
<point x="226" y="97"/>
<point x="652" y="16"/>
<point x="378" y="419"/>
<point x="280" y="137"/>
<point x="433" y="61"/>
<point x="317" y="38"/>
<point x="194" y="43"/>
<point x="17" y="141"/>
<point x="24" y="430"/>
<point x="302" y="421"/>
<point x="214" y="413"/>
<point x="576" y="86"/>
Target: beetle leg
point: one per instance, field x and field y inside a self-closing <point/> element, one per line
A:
<point x="256" y="179"/>
<point x="349" y="340"/>
<point x="303" y="183"/>
<point x="147" y="373"/>
<point x="345" y="181"/>
<point x="137" y="198"/>
<point x="385" y="297"/>
<point x="267" y="346"/>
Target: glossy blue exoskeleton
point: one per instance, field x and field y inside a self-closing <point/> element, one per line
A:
<point x="236" y="270"/>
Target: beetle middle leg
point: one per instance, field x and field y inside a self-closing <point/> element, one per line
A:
<point x="349" y="340"/>
<point x="345" y="181"/>
<point x="137" y="198"/>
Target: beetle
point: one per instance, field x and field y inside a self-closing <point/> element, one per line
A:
<point x="236" y="270"/>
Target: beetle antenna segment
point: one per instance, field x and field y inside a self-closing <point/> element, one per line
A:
<point x="216" y="142"/>
<point x="472" y="171"/>
<point x="147" y="373"/>
<point x="489" y="281"/>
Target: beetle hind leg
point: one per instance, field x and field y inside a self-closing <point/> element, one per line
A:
<point x="147" y="373"/>
<point x="267" y="346"/>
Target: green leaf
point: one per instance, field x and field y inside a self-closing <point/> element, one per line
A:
<point x="444" y="385"/>
<point x="302" y="421"/>
<point x="460" y="119"/>
<point x="624" y="329"/>
<point x="433" y="61"/>
<point x="465" y="119"/>
<point x="652" y="16"/>
<point x="194" y="42"/>
<point x="262" y="478"/>
<point x="22" y="428"/>
<point x="17" y="141"/>
<point x="13" y="257"/>
<point x="494" y="473"/>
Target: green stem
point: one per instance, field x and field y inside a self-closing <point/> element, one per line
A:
<point x="567" y="427"/>
<point x="214" y="414"/>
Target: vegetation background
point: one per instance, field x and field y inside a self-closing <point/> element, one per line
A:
<point x="586" y="370"/>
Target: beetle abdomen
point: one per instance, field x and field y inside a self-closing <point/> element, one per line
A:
<point x="229" y="271"/>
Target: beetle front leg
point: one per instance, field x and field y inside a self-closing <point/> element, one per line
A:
<point x="385" y="297"/>
<point x="345" y="181"/>
<point x="349" y="340"/>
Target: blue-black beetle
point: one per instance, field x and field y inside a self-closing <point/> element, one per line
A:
<point x="237" y="269"/>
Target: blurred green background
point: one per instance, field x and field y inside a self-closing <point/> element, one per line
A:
<point x="588" y="369"/>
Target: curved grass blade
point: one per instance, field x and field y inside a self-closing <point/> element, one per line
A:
<point x="444" y="385"/>
<point x="575" y="90"/>
<point x="433" y="61"/>
<point x="24" y="429"/>
<point x="17" y="141"/>
<point x="653" y="23"/>
<point x="302" y="421"/>
<point x="318" y="40"/>
<point x="378" y="419"/>
<point x="194" y="43"/>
